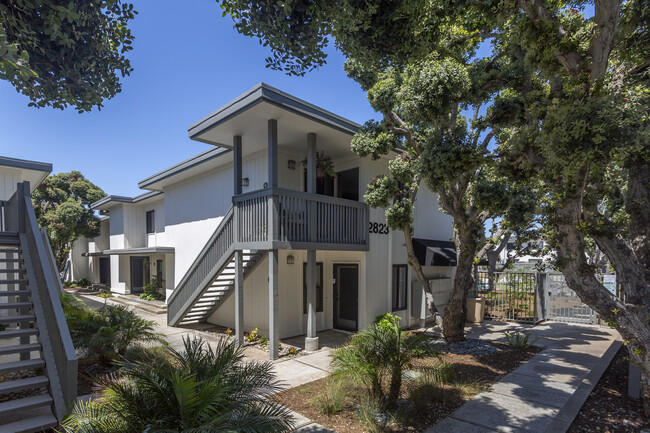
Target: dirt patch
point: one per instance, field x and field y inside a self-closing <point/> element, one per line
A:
<point x="473" y="374"/>
<point x="608" y="408"/>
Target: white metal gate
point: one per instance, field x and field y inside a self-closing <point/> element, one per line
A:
<point x="564" y="305"/>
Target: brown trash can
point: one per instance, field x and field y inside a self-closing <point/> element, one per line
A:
<point x="475" y="310"/>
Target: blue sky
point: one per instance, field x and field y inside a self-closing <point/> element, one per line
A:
<point x="188" y="60"/>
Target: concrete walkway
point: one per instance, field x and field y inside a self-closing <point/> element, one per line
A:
<point x="546" y="393"/>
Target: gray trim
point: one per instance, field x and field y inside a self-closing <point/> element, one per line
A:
<point x="264" y="93"/>
<point x="129" y="251"/>
<point x="124" y="199"/>
<point x="25" y="164"/>
<point x="195" y="160"/>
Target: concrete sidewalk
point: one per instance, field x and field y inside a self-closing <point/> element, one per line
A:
<point x="546" y="393"/>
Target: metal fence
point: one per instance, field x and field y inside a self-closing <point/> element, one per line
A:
<point x="564" y="305"/>
<point x="509" y="295"/>
<point x="530" y="297"/>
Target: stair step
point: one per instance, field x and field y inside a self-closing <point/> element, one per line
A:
<point x="5" y="240"/>
<point x="18" y="333"/>
<point x="13" y="271"/>
<point x="21" y="384"/>
<point x="19" y="348"/>
<point x="36" y="423"/>
<point x="11" y="250"/>
<point x="25" y="403"/>
<point x="27" y="364"/>
<point x="11" y="260"/>
<point x="12" y="281"/>
<point x="14" y="292"/>
<point x="11" y="305"/>
<point x="17" y="318"/>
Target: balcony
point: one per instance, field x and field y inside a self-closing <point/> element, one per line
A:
<point x="276" y="218"/>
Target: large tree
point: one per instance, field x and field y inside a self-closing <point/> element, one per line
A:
<point x="573" y="113"/>
<point x="65" y="53"/>
<point x="62" y="206"/>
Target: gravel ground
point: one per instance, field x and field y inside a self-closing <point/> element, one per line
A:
<point x="467" y="347"/>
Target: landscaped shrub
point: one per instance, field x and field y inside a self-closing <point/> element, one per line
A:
<point x="379" y="355"/>
<point x="200" y="389"/>
<point x="520" y="340"/>
<point x="332" y="397"/>
<point x="151" y="291"/>
<point x="106" y="333"/>
<point x="426" y="388"/>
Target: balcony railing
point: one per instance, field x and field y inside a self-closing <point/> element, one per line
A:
<point x="276" y="218"/>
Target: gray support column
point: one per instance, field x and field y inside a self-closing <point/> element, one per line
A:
<point x="22" y="191"/>
<point x="239" y="298"/>
<point x="236" y="147"/>
<point x="274" y="319"/>
<point x="273" y="153"/>
<point x="20" y="205"/>
<point x="311" y="340"/>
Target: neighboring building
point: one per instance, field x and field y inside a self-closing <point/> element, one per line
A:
<point x="255" y="215"/>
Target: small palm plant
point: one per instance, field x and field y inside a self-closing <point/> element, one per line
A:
<point x="106" y="333"/>
<point x="199" y="390"/>
<point x="383" y="351"/>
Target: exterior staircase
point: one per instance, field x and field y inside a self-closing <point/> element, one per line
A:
<point x="210" y="280"/>
<point x="23" y="382"/>
<point x="38" y="363"/>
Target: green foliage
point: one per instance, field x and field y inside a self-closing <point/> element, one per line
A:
<point x="62" y="205"/>
<point x="199" y="389"/>
<point x="521" y="341"/>
<point x="151" y="291"/>
<point x="380" y="354"/>
<point x="330" y="400"/>
<point x="60" y="54"/>
<point x="106" y="333"/>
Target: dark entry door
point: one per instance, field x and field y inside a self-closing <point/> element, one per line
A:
<point x="105" y="271"/>
<point x="348" y="184"/>
<point x="346" y="296"/>
<point x="139" y="273"/>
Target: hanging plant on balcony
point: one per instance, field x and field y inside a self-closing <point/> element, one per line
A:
<point x="324" y="166"/>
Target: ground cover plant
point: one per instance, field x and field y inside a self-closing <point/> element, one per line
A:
<point x="200" y="388"/>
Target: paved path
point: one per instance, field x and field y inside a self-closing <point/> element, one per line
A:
<point x="546" y="393"/>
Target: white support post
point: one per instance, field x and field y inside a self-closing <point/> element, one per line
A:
<point x="311" y="340"/>
<point x="239" y="298"/>
<point x="274" y="319"/>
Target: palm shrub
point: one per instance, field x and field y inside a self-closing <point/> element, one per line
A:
<point x="106" y="333"/>
<point x="380" y="354"/>
<point x="200" y="389"/>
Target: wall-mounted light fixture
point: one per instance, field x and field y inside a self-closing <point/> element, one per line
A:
<point x="290" y="260"/>
<point x="291" y="164"/>
<point x="244" y="182"/>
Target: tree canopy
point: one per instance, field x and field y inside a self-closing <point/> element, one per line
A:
<point x="62" y="206"/>
<point x="61" y="53"/>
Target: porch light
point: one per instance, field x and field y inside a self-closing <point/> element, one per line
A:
<point x="289" y="260"/>
<point x="244" y="182"/>
<point x="291" y="164"/>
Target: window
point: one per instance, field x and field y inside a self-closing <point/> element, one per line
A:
<point x="400" y="273"/>
<point x="151" y="223"/>
<point x="159" y="271"/>
<point x="319" y="287"/>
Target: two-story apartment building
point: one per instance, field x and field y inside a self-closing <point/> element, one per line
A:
<point x="254" y="232"/>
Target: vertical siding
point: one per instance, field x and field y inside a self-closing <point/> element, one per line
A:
<point x="8" y="180"/>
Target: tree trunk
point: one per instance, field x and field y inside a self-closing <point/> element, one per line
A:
<point x="630" y="320"/>
<point x="453" y="323"/>
<point x="417" y="268"/>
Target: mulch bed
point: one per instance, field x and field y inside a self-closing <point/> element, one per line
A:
<point x="608" y="408"/>
<point x="479" y="372"/>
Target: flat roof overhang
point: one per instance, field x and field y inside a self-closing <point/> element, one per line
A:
<point x="33" y="172"/>
<point x="113" y="200"/>
<point x="131" y="251"/>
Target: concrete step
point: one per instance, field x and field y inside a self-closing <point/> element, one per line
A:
<point x="26" y="403"/>
<point x="20" y="348"/>
<point x="28" y="364"/>
<point x="18" y="333"/>
<point x="10" y="305"/>
<point x="33" y="424"/>
<point x="21" y="384"/>
<point x="17" y="318"/>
